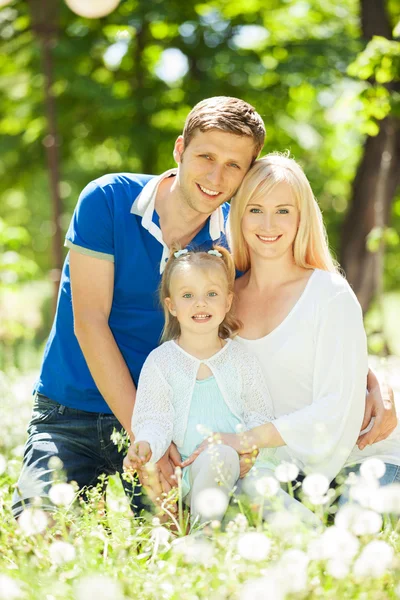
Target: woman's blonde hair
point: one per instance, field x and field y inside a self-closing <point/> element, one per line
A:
<point x="310" y="248"/>
<point x="203" y="259"/>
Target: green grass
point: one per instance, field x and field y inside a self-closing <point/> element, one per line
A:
<point x="112" y="556"/>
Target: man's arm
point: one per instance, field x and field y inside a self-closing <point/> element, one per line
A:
<point x="380" y="405"/>
<point x="92" y="285"/>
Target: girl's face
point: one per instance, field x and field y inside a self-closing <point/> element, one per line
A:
<point x="199" y="298"/>
<point x="270" y="223"/>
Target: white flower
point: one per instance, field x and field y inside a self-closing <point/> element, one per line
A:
<point x="267" y="486"/>
<point x="363" y="491"/>
<point x="254" y="546"/>
<point x="263" y="588"/>
<point x="160" y="536"/>
<point x="286" y="472"/>
<point x="284" y="523"/>
<point x="374" y="560"/>
<point x="61" y="552"/>
<point x="62" y="494"/>
<point x="293" y="566"/>
<point x="55" y="463"/>
<point x="387" y="499"/>
<point x="32" y="521"/>
<point x="3" y="464"/>
<point x="194" y="550"/>
<point x="372" y="468"/>
<point x="360" y="521"/>
<point x="211" y="503"/>
<point x="10" y="589"/>
<point x="335" y="543"/>
<point x="315" y="485"/>
<point x="338" y="569"/>
<point x="99" y="587"/>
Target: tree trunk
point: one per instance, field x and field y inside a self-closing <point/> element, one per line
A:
<point x="374" y="187"/>
<point x="44" y="23"/>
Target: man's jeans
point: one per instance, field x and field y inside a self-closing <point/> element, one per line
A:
<point x="80" y="440"/>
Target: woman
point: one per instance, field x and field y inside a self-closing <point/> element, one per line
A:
<point x="303" y="322"/>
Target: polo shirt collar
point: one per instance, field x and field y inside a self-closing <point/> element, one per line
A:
<point x="144" y="204"/>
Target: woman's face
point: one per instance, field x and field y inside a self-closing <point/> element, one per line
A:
<point x="270" y="223"/>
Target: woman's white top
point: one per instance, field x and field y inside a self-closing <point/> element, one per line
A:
<point x="315" y="364"/>
<point x="166" y="386"/>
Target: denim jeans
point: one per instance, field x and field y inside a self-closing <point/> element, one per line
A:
<point x="391" y="475"/>
<point x="80" y="439"/>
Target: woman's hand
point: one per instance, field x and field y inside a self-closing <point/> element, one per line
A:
<point x="379" y="404"/>
<point x="241" y="442"/>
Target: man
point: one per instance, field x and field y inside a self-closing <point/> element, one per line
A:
<point x="108" y="318"/>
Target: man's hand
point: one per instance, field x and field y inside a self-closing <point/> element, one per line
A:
<point x="159" y="478"/>
<point x="380" y="405"/>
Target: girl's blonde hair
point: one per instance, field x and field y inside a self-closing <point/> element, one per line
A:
<point x="203" y="259"/>
<point x="310" y="248"/>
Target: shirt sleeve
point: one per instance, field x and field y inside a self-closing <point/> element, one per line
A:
<point x="321" y="435"/>
<point x="91" y="230"/>
<point x="153" y="415"/>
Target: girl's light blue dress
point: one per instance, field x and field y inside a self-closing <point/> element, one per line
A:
<point x="208" y="413"/>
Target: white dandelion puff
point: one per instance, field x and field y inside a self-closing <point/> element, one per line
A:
<point x="374" y="560"/>
<point x="99" y="587"/>
<point x="10" y="589"/>
<point x="32" y="521"/>
<point x="254" y="546"/>
<point x="286" y="472"/>
<point x="211" y="503"/>
<point x="372" y="468"/>
<point x="61" y="552"/>
<point x="62" y="494"/>
<point x="315" y="485"/>
<point x="267" y="486"/>
<point x="360" y="521"/>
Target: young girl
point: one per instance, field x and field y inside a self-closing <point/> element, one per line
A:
<point x="199" y="379"/>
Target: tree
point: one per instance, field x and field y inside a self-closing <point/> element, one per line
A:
<point x="378" y="173"/>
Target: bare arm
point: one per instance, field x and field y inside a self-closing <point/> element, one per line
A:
<point x="379" y="404"/>
<point x="92" y="285"/>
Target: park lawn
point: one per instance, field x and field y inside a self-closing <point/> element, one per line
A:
<point x="88" y="554"/>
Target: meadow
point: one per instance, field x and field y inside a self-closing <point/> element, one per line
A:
<point x="86" y="550"/>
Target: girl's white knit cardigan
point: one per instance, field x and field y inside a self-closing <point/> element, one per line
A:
<point x="166" y="386"/>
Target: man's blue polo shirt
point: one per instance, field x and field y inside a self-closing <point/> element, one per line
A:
<point x="115" y="220"/>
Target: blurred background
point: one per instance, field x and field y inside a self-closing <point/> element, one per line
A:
<point x="89" y="87"/>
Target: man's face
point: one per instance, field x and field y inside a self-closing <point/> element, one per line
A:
<point x="211" y="167"/>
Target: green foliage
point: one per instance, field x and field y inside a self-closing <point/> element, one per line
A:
<point x="119" y="108"/>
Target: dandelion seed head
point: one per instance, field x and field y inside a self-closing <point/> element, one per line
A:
<point x="160" y="535"/>
<point x="62" y="494"/>
<point x="254" y="546"/>
<point x="386" y="499"/>
<point x="32" y="521"/>
<point x="61" y="552"/>
<point x="286" y="472"/>
<point x="338" y="569"/>
<point x="372" y="468"/>
<point x="193" y="550"/>
<point x="360" y="521"/>
<point x="55" y="463"/>
<point x="315" y="484"/>
<point x="99" y="587"/>
<point x="10" y="589"/>
<point x="267" y="486"/>
<point x="211" y="503"/>
<point x="260" y="589"/>
<point x="374" y="560"/>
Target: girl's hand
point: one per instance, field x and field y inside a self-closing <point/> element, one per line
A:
<point x="139" y="453"/>
<point x="238" y="441"/>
